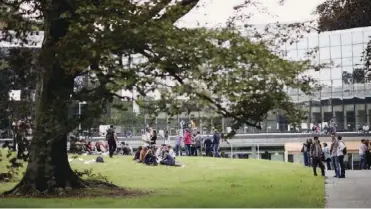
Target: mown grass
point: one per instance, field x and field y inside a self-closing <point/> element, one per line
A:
<point x="204" y="182"/>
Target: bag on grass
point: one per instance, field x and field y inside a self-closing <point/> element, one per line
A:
<point x="99" y="159"/>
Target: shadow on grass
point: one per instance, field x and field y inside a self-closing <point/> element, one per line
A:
<point x="94" y="185"/>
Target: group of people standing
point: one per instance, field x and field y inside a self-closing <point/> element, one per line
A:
<point x="315" y="155"/>
<point x="194" y="143"/>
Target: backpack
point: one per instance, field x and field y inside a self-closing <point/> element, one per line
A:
<point x="345" y="150"/>
<point x="99" y="159"/>
<point x="110" y="134"/>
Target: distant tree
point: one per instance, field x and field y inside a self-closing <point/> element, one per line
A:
<point x="343" y="14"/>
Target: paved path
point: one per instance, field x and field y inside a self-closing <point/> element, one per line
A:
<point x="351" y="192"/>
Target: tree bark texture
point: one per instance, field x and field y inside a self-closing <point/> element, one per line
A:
<point x="48" y="167"/>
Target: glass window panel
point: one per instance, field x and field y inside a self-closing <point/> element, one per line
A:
<point x="313" y="41"/>
<point x="312" y="53"/>
<point x="337" y="85"/>
<point x="337" y="90"/>
<point x="336" y="73"/>
<point x="335" y="52"/>
<point x="326" y="89"/>
<point x="335" y="39"/>
<point x="325" y="74"/>
<point x="346" y="38"/>
<point x="336" y="62"/>
<point x="292" y="55"/>
<point x="347" y="62"/>
<point x="289" y="46"/>
<point x="324" y="40"/>
<point x="357" y="37"/>
<point x="366" y="35"/>
<point x="368" y="89"/>
<point x="358" y="50"/>
<point x="314" y="74"/>
<point x="346" y="51"/>
<point x="324" y="53"/>
<point x="302" y="44"/>
<point x="359" y="90"/>
<point x="302" y="54"/>
<point x="357" y="62"/>
<point x="347" y="75"/>
<point x="325" y="61"/>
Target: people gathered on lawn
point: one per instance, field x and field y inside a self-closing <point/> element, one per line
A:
<point x="189" y="139"/>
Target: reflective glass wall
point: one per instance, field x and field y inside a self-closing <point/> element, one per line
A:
<point x="346" y="91"/>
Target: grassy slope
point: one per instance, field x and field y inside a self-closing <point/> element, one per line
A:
<point x="204" y="182"/>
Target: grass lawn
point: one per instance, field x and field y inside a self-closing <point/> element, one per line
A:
<point x="204" y="182"/>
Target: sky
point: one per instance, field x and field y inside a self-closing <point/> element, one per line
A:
<point x="216" y="12"/>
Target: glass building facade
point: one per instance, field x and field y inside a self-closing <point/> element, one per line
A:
<point x="346" y="88"/>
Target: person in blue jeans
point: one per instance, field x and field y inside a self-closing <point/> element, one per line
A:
<point x="334" y="156"/>
<point x="178" y="145"/>
<point x="362" y="154"/>
<point x="304" y="150"/>
<point x="216" y="143"/>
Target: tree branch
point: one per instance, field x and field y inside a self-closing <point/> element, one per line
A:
<point x="177" y="11"/>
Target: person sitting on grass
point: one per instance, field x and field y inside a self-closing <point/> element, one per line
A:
<point x="169" y="160"/>
<point x="150" y="158"/>
<point x="137" y="153"/>
<point x="159" y="152"/>
<point x="142" y="154"/>
<point x="171" y="151"/>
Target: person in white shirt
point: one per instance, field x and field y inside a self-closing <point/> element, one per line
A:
<point x="333" y="126"/>
<point x="362" y="154"/>
<point x="327" y="156"/>
<point x="334" y="158"/>
<point x="366" y="129"/>
<point x="171" y="151"/>
<point x="146" y="137"/>
<point x="340" y="153"/>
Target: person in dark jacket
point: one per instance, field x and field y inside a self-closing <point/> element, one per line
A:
<point x="317" y="155"/>
<point x="137" y="153"/>
<point x="153" y="137"/>
<point x="167" y="159"/>
<point x="216" y="143"/>
<point x="111" y="139"/>
<point x="208" y="146"/>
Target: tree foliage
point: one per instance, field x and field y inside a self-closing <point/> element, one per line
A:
<point x="343" y="14"/>
<point x="136" y="46"/>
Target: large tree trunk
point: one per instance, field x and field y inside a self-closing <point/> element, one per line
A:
<point x="48" y="167"/>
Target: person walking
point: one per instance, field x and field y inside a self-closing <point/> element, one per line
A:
<point x="327" y="155"/>
<point x="178" y="144"/>
<point x="198" y="143"/>
<point x="341" y="152"/>
<point x="316" y="155"/>
<point x="188" y="142"/>
<point x="334" y="157"/>
<point x="111" y="138"/>
<point x="362" y="154"/>
<point x="216" y="143"/>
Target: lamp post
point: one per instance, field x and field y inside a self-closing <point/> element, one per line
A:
<point x="80" y="103"/>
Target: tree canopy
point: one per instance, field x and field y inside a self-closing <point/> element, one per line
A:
<point x="343" y="14"/>
<point x="136" y="46"/>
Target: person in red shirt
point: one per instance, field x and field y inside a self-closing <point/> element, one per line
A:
<point x="187" y="139"/>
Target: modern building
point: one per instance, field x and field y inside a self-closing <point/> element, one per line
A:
<point x="345" y="77"/>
